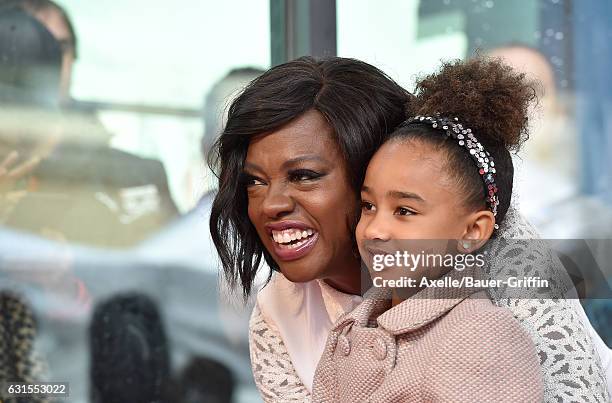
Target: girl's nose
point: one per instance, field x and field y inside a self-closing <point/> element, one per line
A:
<point x="377" y="229"/>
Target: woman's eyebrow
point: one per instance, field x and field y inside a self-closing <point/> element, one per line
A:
<point x="251" y="166"/>
<point x="302" y="158"/>
<point x="288" y="163"/>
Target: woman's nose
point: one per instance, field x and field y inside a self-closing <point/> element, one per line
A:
<point x="278" y="202"/>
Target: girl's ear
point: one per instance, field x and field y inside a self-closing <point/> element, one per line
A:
<point x="480" y="226"/>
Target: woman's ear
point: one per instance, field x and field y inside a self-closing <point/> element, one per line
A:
<point x="479" y="228"/>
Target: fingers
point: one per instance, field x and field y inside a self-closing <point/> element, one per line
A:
<point x="24" y="168"/>
<point x="8" y="161"/>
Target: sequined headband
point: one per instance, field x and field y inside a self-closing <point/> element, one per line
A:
<point x="466" y="139"/>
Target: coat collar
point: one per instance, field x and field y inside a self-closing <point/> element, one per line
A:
<point x="417" y="311"/>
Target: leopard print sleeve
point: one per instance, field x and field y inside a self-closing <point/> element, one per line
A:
<point x="19" y="361"/>
<point x="273" y="370"/>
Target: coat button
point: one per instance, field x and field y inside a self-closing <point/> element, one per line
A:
<point x="380" y="349"/>
<point x="344" y="344"/>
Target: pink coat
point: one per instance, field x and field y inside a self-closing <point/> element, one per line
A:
<point x="450" y="345"/>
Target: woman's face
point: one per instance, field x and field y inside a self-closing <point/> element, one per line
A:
<point x="301" y="203"/>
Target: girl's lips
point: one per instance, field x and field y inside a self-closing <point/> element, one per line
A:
<point x="288" y="254"/>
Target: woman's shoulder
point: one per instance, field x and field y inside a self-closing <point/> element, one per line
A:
<point x="273" y="371"/>
<point x="280" y="290"/>
<point x="281" y="300"/>
<point x="568" y="357"/>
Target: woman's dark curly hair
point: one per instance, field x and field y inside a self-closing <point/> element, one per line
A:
<point x="490" y="98"/>
<point x="358" y="101"/>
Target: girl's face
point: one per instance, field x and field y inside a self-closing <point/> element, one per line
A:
<point x="301" y="203"/>
<point x="408" y="194"/>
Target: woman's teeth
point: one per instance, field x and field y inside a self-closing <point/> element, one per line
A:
<point x="287" y="238"/>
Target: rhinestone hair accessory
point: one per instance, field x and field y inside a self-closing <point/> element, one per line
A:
<point x="466" y="139"/>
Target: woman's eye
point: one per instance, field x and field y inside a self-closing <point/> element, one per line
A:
<point x="255" y="181"/>
<point x="367" y="206"/>
<point x="303" y="175"/>
<point x="250" y="180"/>
<point x="404" y="211"/>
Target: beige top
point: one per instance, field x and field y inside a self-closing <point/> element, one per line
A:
<point x="447" y="345"/>
<point x="303" y="313"/>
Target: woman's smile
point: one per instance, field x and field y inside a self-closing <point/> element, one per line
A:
<point x="291" y="240"/>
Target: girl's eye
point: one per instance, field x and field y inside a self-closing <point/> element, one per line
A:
<point x="367" y="206"/>
<point x="404" y="211"/>
<point x="300" y="175"/>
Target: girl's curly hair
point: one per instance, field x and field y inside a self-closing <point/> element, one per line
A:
<point x="490" y="98"/>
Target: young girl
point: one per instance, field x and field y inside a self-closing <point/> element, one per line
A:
<point x="445" y="174"/>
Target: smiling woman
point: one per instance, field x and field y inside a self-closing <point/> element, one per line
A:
<point x="290" y="163"/>
<point x="294" y="175"/>
<point x="291" y="159"/>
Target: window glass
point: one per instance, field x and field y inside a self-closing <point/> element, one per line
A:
<point x="108" y="278"/>
<point x="171" y="58"/>
<point x="556" y="167"/>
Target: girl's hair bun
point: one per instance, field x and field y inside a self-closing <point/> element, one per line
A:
<point x="486" y="95"/>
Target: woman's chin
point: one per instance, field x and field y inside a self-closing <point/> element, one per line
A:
<point x="297" y="273"/>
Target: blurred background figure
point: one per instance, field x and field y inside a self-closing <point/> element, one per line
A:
<point x="205" y="380"/>
<point x="143" y="180"/>
<point x="91" y="193"/>
<point x="547" y="156"/>
<point x="129" y="352"/>
<point x="57" y="22"/>
<point x="187" y="240"/>
<point x="31" y="124"/>
<point x="219" y="98"/>
<point x="546" y="172"/>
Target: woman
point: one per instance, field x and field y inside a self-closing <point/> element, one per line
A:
<point x="290" y="163"/>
